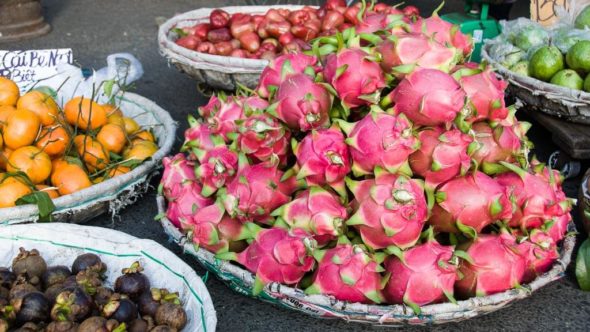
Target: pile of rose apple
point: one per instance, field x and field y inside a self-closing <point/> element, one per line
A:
<point x="280" y="30"/>
<point x="382" y="169"/>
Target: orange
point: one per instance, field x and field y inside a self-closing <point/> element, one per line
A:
<point x="140" y="150"/>
<point x="9" y="92"/>
<point x="4" y="155"/>
<point x="94" y="155"/>
<point x="51" y="191"/>
<point x="69" y="178"/>
<point x="41" y="104"/>
<point x="112" y="110"/>
<point x="12" y="189"/>
<point x="85" y="113"/>
<point x="116" y="119"/>
<point x="21" y="129"/>
<point x="53" y="140"/>
<point x="145" y="135"/>
<point x="119" y="170"/>
<point x="5" y="112"/>
<point x="112" y="137"/>
<point x="35" y="163"/>
<point x="131" y="127"/>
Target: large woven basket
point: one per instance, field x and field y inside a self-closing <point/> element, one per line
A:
<point x="60" y="244"/>
<point x="213" y="71"/>
<point x="116" y="193"/>
<point x="242" y="281"/>
<point x="569" y="104"/>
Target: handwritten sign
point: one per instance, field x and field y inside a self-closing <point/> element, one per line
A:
<point x="543" y="11"/>
<point x="25" y="68"/>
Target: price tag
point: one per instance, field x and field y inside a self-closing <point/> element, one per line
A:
<point x="25" y="68"/>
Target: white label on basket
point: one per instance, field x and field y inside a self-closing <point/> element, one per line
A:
<point x="477" y="36"/>
<point x="26" y="68"/>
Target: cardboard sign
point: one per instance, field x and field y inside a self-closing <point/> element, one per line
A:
<point x="543" y="11"/>
<point x="25" y="68"/>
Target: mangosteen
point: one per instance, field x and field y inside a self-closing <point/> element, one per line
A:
<point x="132" y="283"/>
<point x="89" y="280"/>
<point x="100" y="324"/>
<point x="6" y="277"/>
<point x="33" y="307"/>
<point x="28" y="327"/>
<point x="72" y="304"/>
<point x="53" y="291"/>
<point x="31" y="264"/>
<point x="149" y="302"/>
<point x="102" y="296"/>
<point x="62" y="327"/>
<point x="163" y="328"/>
<point x="20" y="288"/>
<point x="144" y="324"/>
<point x="4" y="296"/>
<point x="70" y="282"/>
<point x="55" y="275"/>
<point x="171" y="314"/>
<point x="120" y="308"/>
<point x="86" y="261"/>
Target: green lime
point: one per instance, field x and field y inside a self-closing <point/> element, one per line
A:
<point x="587" y="84"/>
<point x="546" y="62"/>
<point x="531" y="36"/>
<point x="568" y="78"/>
<point x="583" y="19"/>
<point x="578" y="57"/>
<point x="521" y="68"/>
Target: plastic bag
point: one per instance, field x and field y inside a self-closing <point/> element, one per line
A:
<point x="564" y="37"/>
<point x="506" y="54"/>
<point x="524" y="33"/>
<point x="567" y="15"/>
<point x="122" y="69"/>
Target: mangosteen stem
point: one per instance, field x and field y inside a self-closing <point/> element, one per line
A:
<point x="134" y="268"/>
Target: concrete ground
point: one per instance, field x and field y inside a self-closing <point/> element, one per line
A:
<point x="95" y="29"/>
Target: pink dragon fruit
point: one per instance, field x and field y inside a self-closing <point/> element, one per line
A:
<point x="443" y="32"/>
<point x="380" y="140"/>
<point x="217" y="166"/>
<point x="558" y="227"/>
<point x="409" y="51"/>
<point x="442" y="156"/>
<point x="323" y="158"/>
<point x="215" y="231"/>
<point x="498" y="143"/>
<point x="408" y="285"/>
<point x="178" y="172"/>
<point x="302" y="104"/>
<point x="282" y="68"/>
<point x="187" y="201"/>
<point x="263" y="138"/>
<point x="469" y="203"/>
<point x="392" y="210"/>
<point x="358" y="87"/>
<point x="535" y="199"/>
<point x="428" y="97"/>
<point x="256" y="191"/>
<point x="198" y="136"/>
<point x="373" y="22"/>
<point x="484" y="91"/>
<point x="348" y="273"/>
<point x="316" y="211"/>
<point x="540" y="252"/>
<point x="276" y="255"/>
<point x="494" y="266"/>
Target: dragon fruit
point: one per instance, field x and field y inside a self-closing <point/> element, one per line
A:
<point x="408" y="284"/>
<point x="428" y="97"/>
<point x="263" y="138"/>
<point x="323" y="158"/>
<point x="498" y="143"/>
<point x="392" y="210"/>
<point x="178" y="172"/>
<point x="256" y="191"/>
<point x="380" y="140"/>
<point x="494" y="266"/>
<point x="558" y="227"/>
<point x="469" y="203"/>
<point x="534" y="198"/>
<point x="282" y="68"/>
<point x="539" y="251"/>
<point x="316" y="211"/>
<point x="217" y="166"/>
<point x="484" y="91"/>
<point x="302" y="104"/>
<point x="211" y="228"/>
<point x="442" y="156"/>
<point x="276" y="255"/>
<point x="373" y="22"/>
<point x="187" y="201"/>
<point x="404" y="53"/>
<point x="348" y="273"/>
<point x="443" y="32"/>
<point x="358" y="87"/>
<point x="198" y="136"/>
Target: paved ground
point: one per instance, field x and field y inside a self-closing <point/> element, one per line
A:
<point x="95" y="29"/>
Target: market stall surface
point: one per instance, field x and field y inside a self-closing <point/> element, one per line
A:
<point x="95" y="29"/>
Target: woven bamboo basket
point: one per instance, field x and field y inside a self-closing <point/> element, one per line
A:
<point x="60" y="243"/>
<point x="213" y="71"/>
<point x="242" y="281"/>
<point x="584" y="201"/>
<point x="114" y="194"/>
<point x="568" y="104"/>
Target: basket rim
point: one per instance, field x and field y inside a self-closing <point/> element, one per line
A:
<point x="390" y="313"/>
<point x="97" y="191"/>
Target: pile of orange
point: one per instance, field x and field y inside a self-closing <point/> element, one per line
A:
<point x="61" y="151"/>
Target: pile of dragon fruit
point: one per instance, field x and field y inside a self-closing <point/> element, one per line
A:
<point x="378" y="168"/>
